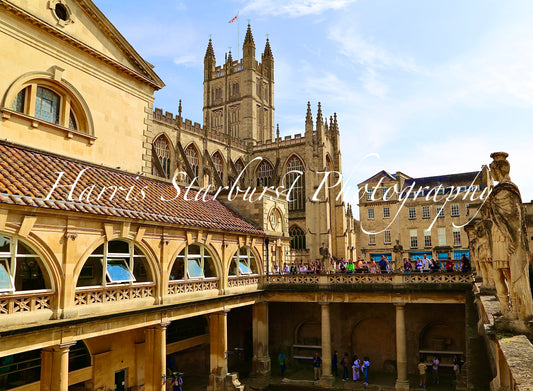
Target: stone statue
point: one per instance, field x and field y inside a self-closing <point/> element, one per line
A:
<point x="508" y="242"/>
<point x="478" y="231"/>
<point x="398" y="255"/>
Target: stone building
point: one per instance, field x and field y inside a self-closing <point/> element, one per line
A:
<point x="108" y="279"/>
<point x="428" y="221"/>
<point x="239" y="132"/>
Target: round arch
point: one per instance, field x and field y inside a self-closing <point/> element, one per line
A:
<point x="382" y="355"/>
<point x="308" y="332"/>
<point x="215" y="256"/>
<point x="256" y="259"/>
<point x="146" y="250"/>
<point x="63" y="86"/>
<point x="51" y="266"/>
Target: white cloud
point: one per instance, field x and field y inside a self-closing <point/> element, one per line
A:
<point x="188" y="60"/>
<point x="293" y="8"/>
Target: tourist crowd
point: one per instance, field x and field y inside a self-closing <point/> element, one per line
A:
<point x="415" y="264"/>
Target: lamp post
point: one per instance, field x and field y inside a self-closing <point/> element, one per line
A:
<point x="267" y="242"/>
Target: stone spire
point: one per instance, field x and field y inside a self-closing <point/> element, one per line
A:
<point x="229" y="59"/>
<point x="309" y="122"/>
<point x="267" y="52"/>
<point x="209" y="61"/>
<point x="209" y="53"/>
<point x="277" y="131"/>
<point x="319" y="124"/>
<point x="249" y="39"/>
<point x="248" y="49"/>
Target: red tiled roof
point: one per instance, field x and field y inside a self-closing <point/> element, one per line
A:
<point x="27" y="176"/>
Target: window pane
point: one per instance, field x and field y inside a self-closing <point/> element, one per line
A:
<point x="5" y="279"/>
<point x="117" y="271"/>
<point x="244" y="268"/>
<point x="18" y="103"/>
<point x="4" y="245"/>
<point x="193" y="269"/>
<point x="118" y="247"/>
<point x="47" y="105"/>
<point x="72" y="124"/>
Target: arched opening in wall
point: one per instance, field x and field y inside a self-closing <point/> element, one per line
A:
<point x="188" y="349"/>
<point x="243" y="262"/>
<point x="308" y="334"/>
<point x="297" y="238"/>
<point x="161" y="167"/>
<point x="193" y="262"/>
<point x="38" y="96"/>
<point x="441" y="340"/>
<point x="264" y="174"/>
<point x="191" y="155"/>
<point x="78" y="357"/>
<point x="115" y="262"/>
<point x="218" y="163"/>
<point x="295" y="180"/>
<point x="375" y="338"/>
<point x="239" y="168"/>
<point x="21" y="268"/>
<point x="20" y="369"/>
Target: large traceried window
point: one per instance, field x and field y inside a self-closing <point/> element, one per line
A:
<point x="193" y="262"/>
<point x="243" y="262"/>
<point x="194" y="162"/>
<point x="162" y="151"/>
<point x="115" y="262"/>
<point x="219" y="165"/>
<point x="297" y="196"/>
<point x="297" y="238"/>
<point x="21" y="268"/>
<point x="264" y="174"/>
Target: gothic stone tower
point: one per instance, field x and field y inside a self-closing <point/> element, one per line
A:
<point x="239" y="95"/>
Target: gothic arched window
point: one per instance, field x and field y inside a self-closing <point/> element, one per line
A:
<point x="162" y="151"/>
<point x="297" y="196"/>
<point x="194" y="162"/>
<point x="297" y="238"/>
<point x="219" y="165"/>
<point x="264" y="174"/>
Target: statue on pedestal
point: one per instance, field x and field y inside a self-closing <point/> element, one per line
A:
<point x="478" y="231"/>
<point x="398" y="255"/>
<point x="508" y="242"/>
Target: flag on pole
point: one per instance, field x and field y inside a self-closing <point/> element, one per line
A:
<point x="234" y="19"/>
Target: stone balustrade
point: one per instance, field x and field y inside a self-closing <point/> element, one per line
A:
<point x="25" y="302"/>
<point x="190" y="286"/>
<point x="113" y="293"/>
<point x="238" y="281"/>
<point x="369" y="278"/>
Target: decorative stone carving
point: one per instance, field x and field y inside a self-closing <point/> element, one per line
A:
<point x="508" y="242"/>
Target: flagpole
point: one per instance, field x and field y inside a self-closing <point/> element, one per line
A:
<point x="238" y="36"/>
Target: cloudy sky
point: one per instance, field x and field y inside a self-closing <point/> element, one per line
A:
<point x="422" y="87"/>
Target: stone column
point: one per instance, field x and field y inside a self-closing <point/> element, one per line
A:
<point x="218" y="340"/>
<point x="402" y="382"/>
<point x="326" y="344"/>
<point x="155" y="365"/>
<point x="261" y="358"/>
<point x="54" y="367"/>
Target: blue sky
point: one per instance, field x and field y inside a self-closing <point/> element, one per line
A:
<point x="431" y="87"/>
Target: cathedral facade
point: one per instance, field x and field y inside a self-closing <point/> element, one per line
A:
<point x="239" y="142"/>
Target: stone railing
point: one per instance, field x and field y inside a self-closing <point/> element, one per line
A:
<point x="113" y="293"/>
<point x="370" y="278"/>
<point x="234" y="281"/>
<point x="189" y="286"/>
<point x="25" y="302"/>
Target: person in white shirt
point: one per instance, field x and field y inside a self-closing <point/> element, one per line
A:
<point x="425" y="264"/>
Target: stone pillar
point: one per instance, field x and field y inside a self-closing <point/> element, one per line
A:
<point x="218" y="340"/>
<point x="327" y="378"/>
<point x="402" y="382"/>
<point x="261" y="358"/>
<point x="54" y="367"/>
<point x="155" y="365"/>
